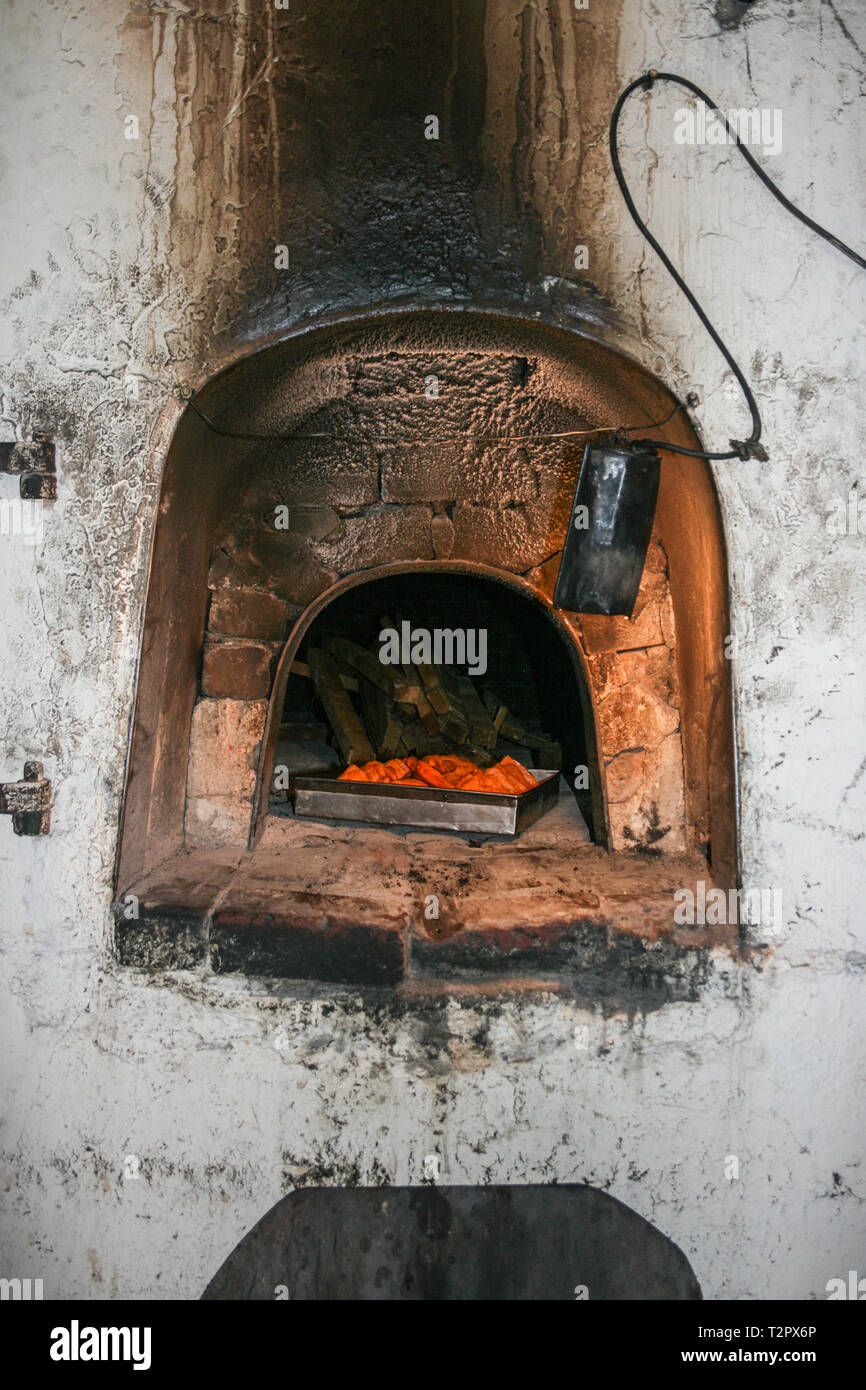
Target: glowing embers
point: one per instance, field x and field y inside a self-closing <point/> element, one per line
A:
<point x="449" y="770"/>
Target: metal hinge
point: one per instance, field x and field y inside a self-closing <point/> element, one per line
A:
<point x="28" y="802"/>
<point x="36" y="464"/>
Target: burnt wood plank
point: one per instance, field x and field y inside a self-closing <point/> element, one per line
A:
<point x="349" y="732"/>
<point x="433" y="688"/>
<point x="389" y="679"/>
<point x="425" y="711"/>
<point x="481" y="727"/>
<point x="511" y="731"/>
<point x="384" y="725"/>
<point x="300" y="668"/>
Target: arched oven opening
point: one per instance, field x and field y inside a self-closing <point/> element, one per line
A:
<point x="521" y="678"/>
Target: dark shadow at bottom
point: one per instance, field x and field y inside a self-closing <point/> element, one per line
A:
<point x="420" y="1243"/>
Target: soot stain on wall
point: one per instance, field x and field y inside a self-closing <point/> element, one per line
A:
<point x="308" y="130"/>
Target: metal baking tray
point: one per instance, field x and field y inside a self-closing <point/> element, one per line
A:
<point x="429" y="808"/>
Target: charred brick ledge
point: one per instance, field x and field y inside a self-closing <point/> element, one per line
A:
<point x="595" y="962"/>
<point x="227" y="913"/>
<point x="340" y="953"/>
<point x="161" y="938"/>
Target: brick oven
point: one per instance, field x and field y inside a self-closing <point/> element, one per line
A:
<point x="412" y="462"/>
<point x="306" y="314"/>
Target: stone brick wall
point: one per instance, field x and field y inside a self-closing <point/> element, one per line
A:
<point x="224" y="747"/>
<point x="245" y="632"/>
<point x="635" y="685"/>
<point x="314" y="511"/>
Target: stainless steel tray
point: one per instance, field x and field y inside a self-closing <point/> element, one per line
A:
<point x="430" y="808"/>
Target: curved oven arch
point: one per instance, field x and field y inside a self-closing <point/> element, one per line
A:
<point x="304" y="423"/>
<point x="483" y="573"/>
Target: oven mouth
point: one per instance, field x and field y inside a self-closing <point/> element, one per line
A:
<point x="532" y="684"/>
<point x="216" y="875"/>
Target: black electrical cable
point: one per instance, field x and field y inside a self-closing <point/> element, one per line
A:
<point x="751" y="447"/>
<point x="396" y="442"/>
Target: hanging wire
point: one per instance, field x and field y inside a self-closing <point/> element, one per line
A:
<point x="749" y="448"/>
<point x="422" y="443"/>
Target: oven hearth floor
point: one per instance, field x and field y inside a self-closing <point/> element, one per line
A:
<point x="356" y="904"/>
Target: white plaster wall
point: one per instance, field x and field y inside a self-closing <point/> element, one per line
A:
<point x="227" y="1095"/>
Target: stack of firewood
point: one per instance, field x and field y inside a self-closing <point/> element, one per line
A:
<point x="377" y="711"/>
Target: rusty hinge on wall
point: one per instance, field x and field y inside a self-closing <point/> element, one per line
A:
<point x="35" y="462"/>
<point x="28" y="802"/>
